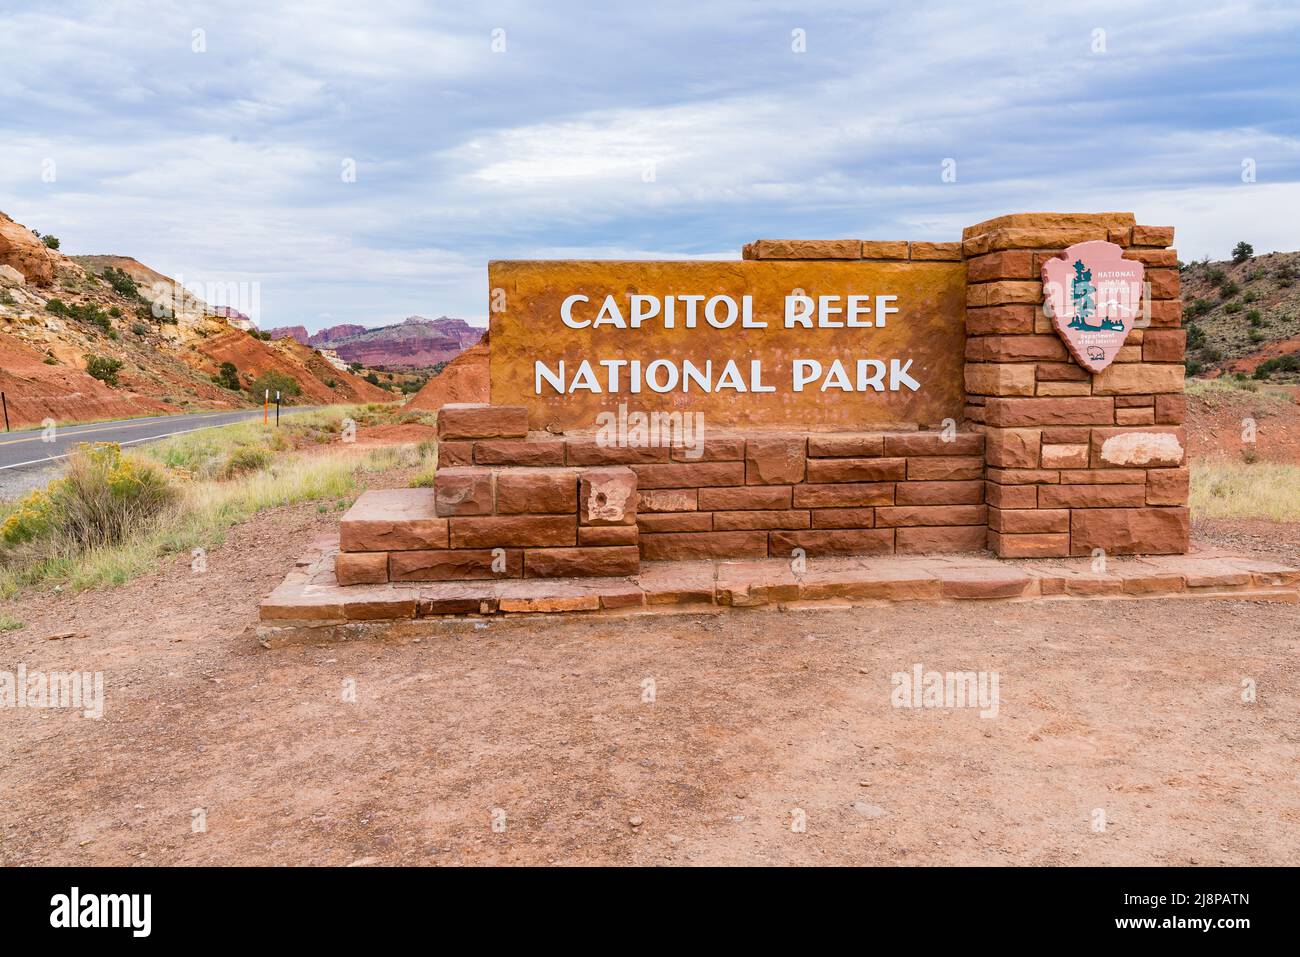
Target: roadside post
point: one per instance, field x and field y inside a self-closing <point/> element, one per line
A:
<point x="266" y="406"/>
<point x="5" y="403"/>
<point x="277" y="408"/>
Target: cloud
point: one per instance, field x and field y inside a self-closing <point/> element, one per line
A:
<point x="673" y="130"/>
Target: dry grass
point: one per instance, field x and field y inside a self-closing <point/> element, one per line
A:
<point x="211" y="497"/>
<point x="1261" y="490"/>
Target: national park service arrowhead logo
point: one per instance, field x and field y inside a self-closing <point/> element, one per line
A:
<point x="1093" y="295"/>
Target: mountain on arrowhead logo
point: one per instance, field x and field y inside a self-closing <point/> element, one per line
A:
<point x="1094" y="295"/>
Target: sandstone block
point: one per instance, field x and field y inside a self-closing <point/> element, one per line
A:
<point x="1065" y="456"/>
<point x="845" y="541"/>
<point x="541" y="453"/>
<point x="454" y="453"/>
<point x="745" y="497"/>
<point x="846" y="446"/>
<point x="843" y="517"/>
<point x="456" y="564"/>
<point x="1167" y="486"/>
<point x="759" y="518"/>
<point x="391" y="519"/>
<point x="992" y="320"/>
<point x="1137" y="378"/>
<point x="1153" y="447"/>
<point x="938" y="540"/>
<point x="519" y="531"/>
<point x="907" y="515"/>
<point x="608" y="496"/>
<point x="689" y="475"/>
<point x="775" y="460"/>
<point x="537" y="491"/>
<point x="856" y="470"/>
<point x="1022" y="521"/>
<point x="843" y="495"/>
<point x="667" y="500"/>
<point x="596" y="535"/>
<point x="361" y="568"/>
<point x="939" y="493"/>
<point x="688" y="546"/>
<point x="481" y="421"/>
<point x="581" y="562"/>
<point x="463" y="491"/>
<point x="945" y="468"/>
<point x="675" y="522"/>
<point x="1092" y="496"/>
<point x="1127" y="531"/>
<point x="1011" y="413"/>
<point x="1012" y="448"/>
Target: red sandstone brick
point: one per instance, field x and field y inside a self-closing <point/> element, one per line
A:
<point x="845" y="541"/>
<point x="1067" y="436"/>
<point x="456" y="564"/>
<point x="941" y="469"/>
<point x="1010" y="413"/>
<point x="1103" y="476"/>
<point x="1124" y="531"/>
<point x="846" y="446"/>
<point x="1040" y="545"/>
<point x="1012" y="264"/>
<point x="500" y="531"/>
<point x="1135" y="416"/>
<point x="607" y="496"/>
<point x="594" y="535"/>
<point x="361" y="568"/>
<point x="537" y="491"/>
<point x="1029" y="520"/>
<point x="1023" y="476"/>
<point x="856" y="470"/>
<point x="592" y="452"/>
<point x="686" y="546"/>
<point x="983" y="583"/>
<point x="843" y="518"/>
<point x="545" y="452"/>
<point x="452" y="454"/>
<point x="581" y="562"/>
<point x="884" y="249"/>
<point x="810" y="249"/>
<point x="947" y="252"/>
<point x="478" y="421"/>
<point x="1164" y="313"/>
<point x="463" y="491"/>
<point x="775" y="460"/>
<point x="844" y="495"/>
<point x="935" y="443"/>
<point x="757" y="518"/>
<point x="719" y="449"/>
<point x="1153" y="235"/>
<point x="1091" y="496"/>
<point x="1139" y="447"/>
<point x="1005" y="319"/>
<point x="903" y="515"/>
<point x="384" y="520"/>
<point x="667" y="500"/>
<point x="1167" y="486"/>
<point x="1010" y="496"/>
<point x="1061" y="372"/>
<point x="675" y="522"/>
<point x="939" y="493"/>
<point x="688" y="475"/>
<point x="745" y="497"/>
<point x="1164" y="345"/>
<point x="1012" y="448"/>
<point x="1171" y="409"/>
<point x="1015" y="349"/>
<point x="941" y="539"/>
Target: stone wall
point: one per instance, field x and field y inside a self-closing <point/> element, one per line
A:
<point x="1050" y="460"/>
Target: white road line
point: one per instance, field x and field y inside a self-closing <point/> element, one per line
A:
<point x="143" y="438"/>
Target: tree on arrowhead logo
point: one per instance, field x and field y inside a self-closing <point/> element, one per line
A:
<point x="1093" y="295"/>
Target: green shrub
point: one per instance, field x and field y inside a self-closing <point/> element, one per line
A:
<point x="122" y="283"/>
<point x="1228" y="290"/>
<point x="227" y="376"/>
<point x="1286" y="363"/>
<point x="1195" y="337"/>
<point x="1195" y="367"/>
<point x="51" y="242"/>
<point x="1211" y="354"/>
<point x="372" y="378"/>
<point x="1249" y="296"/>
<point x="1256" y="336"/>
<point x="103" y="498"/>
<point x="1254" y="318"/>
<point x="273" y="381"/>
<point x="140" y="329"/>
<point x="103" y="368"/>
<point x="247" y="458"/>
<point x="1242" y="251"/>
<point x="1232" y="308"/>
<point x="1215" y="276"/>
<point x="6" y="298"/>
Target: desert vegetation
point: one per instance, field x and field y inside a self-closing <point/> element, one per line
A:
<point x="115" y="514"/>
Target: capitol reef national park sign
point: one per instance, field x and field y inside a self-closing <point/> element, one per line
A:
<point x="819" y="345"/>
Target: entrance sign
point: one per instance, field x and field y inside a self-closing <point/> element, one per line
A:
<point x="819" y="345"/>
<point x="1093" y="295"/>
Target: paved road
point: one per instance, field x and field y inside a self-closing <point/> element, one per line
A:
<point x="20" y="451"/>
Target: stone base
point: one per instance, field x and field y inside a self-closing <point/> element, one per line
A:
<point x="311" y="606"/>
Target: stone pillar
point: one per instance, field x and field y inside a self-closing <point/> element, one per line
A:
<point x="1075" y="461"/>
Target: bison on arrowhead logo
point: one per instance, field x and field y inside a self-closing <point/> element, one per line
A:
<point x="1094" y="295"/>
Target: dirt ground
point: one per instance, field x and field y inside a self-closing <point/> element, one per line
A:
<point x="524" y="741"/>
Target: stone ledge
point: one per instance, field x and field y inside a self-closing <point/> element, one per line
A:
<point x="310" y="605"/>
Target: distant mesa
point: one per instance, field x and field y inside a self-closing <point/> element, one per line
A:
<point x="415" y="342"/>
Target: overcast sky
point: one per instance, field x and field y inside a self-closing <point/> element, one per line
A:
<point x="622" y="130"/>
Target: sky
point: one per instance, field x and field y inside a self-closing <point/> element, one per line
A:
<point x="362" y="162"/>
